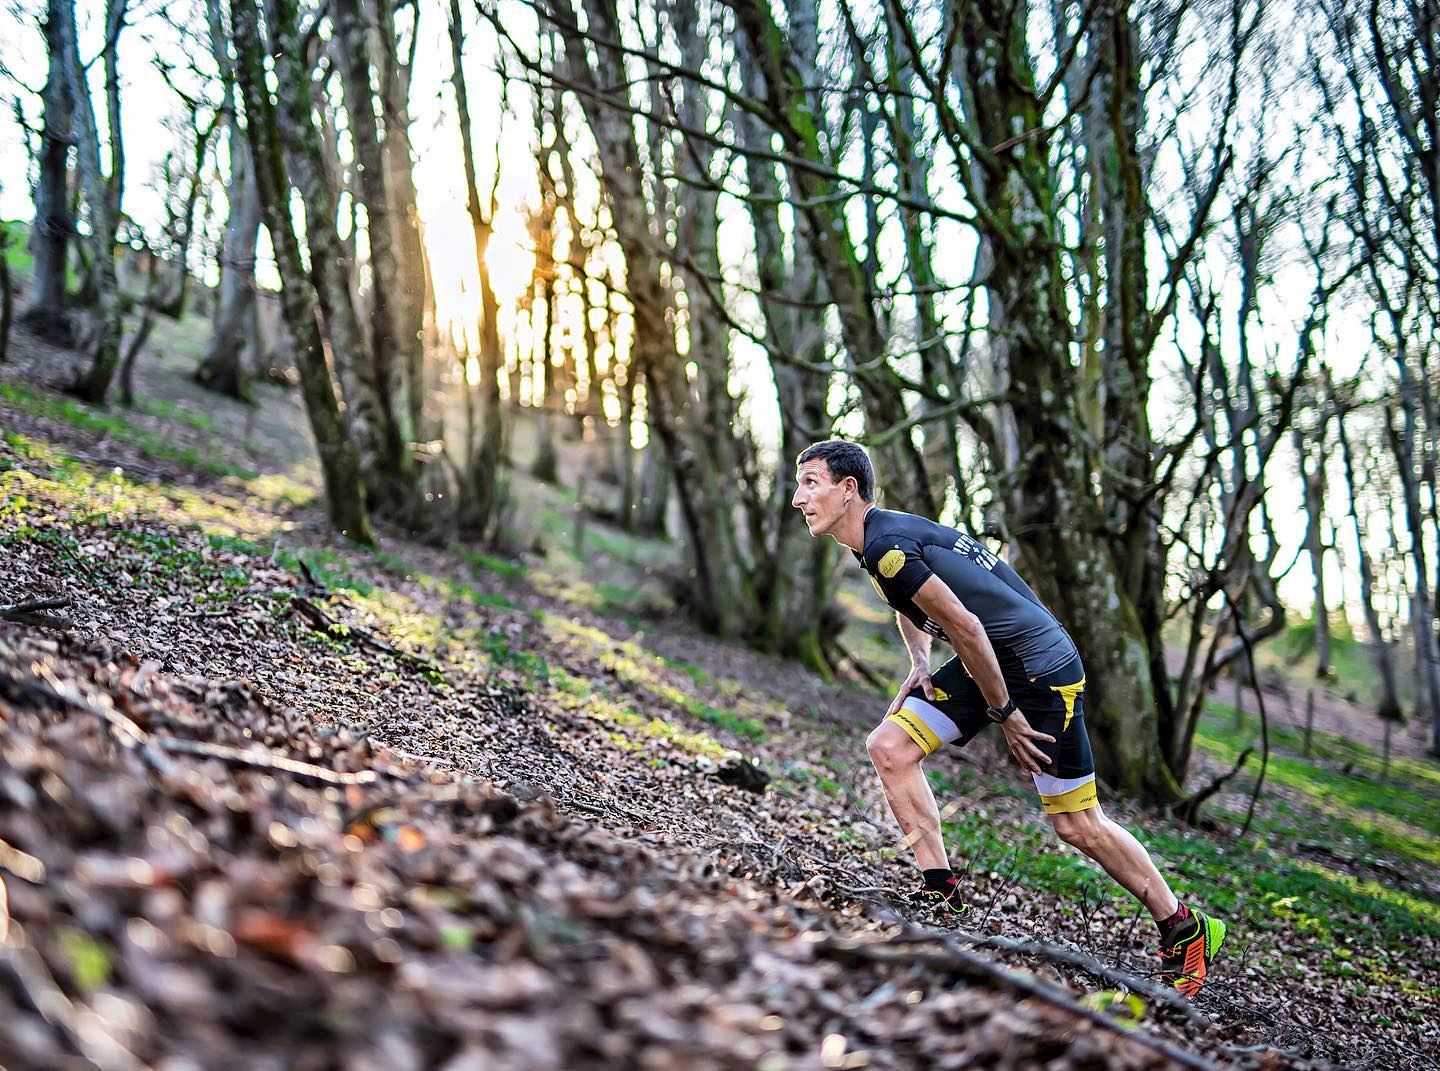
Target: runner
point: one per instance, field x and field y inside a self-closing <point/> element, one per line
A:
<point x="1014" y="665"/>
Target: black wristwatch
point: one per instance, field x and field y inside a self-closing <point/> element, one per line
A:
<point x="1004" y="712"/>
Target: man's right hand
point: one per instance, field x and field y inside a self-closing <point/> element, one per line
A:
<point x="919" y="678"/>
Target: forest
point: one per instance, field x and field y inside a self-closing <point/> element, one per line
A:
<point x="411" y="654"/>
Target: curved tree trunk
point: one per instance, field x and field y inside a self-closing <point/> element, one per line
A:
<point x="100" y="203"/>
<point x="344" y="492"/>
<point x="223" y="367"/>
<point x="50" y="233"/>
<point x="482" y="489"/>
<point x="391" y="351"/>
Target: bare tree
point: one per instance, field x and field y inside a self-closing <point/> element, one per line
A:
<point x="101" y="202"/>
<point x="267" y="133"/>
<point x="50" y="233"/>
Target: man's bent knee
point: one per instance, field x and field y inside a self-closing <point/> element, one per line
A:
<point x="891" y="748"/>
<point x="1080" y="829"/>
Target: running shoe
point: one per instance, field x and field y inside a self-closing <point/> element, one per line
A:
<point x="1188" y="959"/>
<point x="942" y="901"/>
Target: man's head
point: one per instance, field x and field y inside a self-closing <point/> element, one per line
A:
<point x="830" y="477"/>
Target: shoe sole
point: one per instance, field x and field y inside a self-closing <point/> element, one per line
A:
<point x="1215" y="930"/>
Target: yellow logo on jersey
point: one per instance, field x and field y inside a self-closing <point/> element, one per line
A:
<point x="891" y="562"/>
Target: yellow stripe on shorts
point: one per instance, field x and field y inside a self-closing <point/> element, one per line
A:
<point x="1069" y="692"/>
<point x="1079" y="798"/>
<point x="917" y="730"/>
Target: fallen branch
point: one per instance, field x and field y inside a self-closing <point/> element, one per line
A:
<point x="150" y="745"/>
<point x="326" y="625"/>
<point x="969" y="965"/>
<point x="35" y="613"/>
<point x="261" y="760"/>
<point x="1117" y="976"/>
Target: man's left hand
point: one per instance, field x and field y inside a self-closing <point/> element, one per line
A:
<point x="1021" y="738"/>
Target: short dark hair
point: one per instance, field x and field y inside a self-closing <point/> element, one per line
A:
<point x="843" y="459"/>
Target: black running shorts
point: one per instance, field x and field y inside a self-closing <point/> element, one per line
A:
<point x="1053" y="704"/>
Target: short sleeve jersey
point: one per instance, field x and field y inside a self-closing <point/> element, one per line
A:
<point x="902" y="551"/>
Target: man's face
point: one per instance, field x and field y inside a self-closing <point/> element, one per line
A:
<point x="818" y="496"/>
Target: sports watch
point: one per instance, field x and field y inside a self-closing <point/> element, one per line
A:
<point x="1001" y="714"/>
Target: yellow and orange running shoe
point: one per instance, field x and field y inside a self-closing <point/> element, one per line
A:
<point x="1188" y="959"/>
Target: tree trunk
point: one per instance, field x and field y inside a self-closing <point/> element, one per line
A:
<point x="412" y="295"/>
<point x="223" y="368"/>
<point x="371" y="424"/>
<point x="796" y="117"/>
<point x="6" y="295"/>
<point x="50" y="233"/>
<point x="482" y="489"/>
<point x="344" y="491"/>
<point x="723" y="596"/>
<point x="796" y="578"/>
<point x="1384" y="657"/>
<point x="1060" y="529"/>
<point x="1313" y="483"/>
<point x="391" y="351"/>
<point x="100" y="203"/>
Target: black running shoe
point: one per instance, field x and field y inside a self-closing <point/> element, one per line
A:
<point x="945" y="900"/>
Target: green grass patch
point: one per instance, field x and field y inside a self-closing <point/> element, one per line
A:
<point x="86" y="418"/>
<point x="17" y="252"/>
<point x="174" y="413"/>
<point x="580" y="693"/>
<point x="501" y="567"/>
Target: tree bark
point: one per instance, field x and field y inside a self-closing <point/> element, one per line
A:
<point x="1060" y="529"/>
<point x="100" y="203"/>
<point x="369" y="417"/>
<point x="223" y="367"/>
<point x="1389" y="708"/>
<point x="7" y="296"/>
<point x="412" y="294"/>
<point x="483" y="490"/>
<point x="797" y="118"/>
<point x="50" y="233"/>
<point x="723" y="599"/>
<point x="344" y="491"/>
<point x="391" y="351"/>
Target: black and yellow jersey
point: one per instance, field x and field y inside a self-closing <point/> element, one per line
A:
<point x="902" y="551"/>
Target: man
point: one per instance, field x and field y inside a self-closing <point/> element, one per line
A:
<point x="1015" y="665"/>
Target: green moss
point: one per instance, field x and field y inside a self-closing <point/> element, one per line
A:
<point x="66" y="410"/>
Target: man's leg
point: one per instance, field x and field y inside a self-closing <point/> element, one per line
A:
<point x="1123" y="857"/>
<point x="897" y="760"/>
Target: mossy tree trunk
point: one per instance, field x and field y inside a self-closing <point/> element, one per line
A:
<point x="393" y="349"/>
<point x="483" y="488"/>
<point x="101" y="203"/>
<point x="339" y="464"/>
<point x="723" y="597"/>
<point x="222" y="368"/>
<point x="45" y="311"/>
<point x="1062" y="531"/>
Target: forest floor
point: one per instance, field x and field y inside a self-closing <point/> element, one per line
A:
<point x="276" y="801"/>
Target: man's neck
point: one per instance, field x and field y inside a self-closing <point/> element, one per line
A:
<point x="850" y="532"/>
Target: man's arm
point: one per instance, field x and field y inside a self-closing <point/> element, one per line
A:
<point x="917" y="643"/>
<point x="917" y="640"/>
<point x="967" y="635"/>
